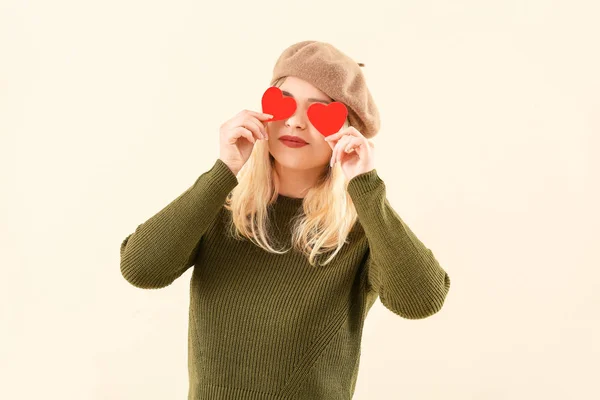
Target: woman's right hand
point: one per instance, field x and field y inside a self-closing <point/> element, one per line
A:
<point x="238" y="135"/>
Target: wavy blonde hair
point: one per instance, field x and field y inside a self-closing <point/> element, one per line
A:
<point x="329" y="213"/>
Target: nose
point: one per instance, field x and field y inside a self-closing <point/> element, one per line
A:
<point x="296" y="121"/>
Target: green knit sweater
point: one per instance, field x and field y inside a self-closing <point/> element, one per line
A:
<point x="268" y="326"/>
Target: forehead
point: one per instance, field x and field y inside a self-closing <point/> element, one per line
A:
<point x="302" y="89"/>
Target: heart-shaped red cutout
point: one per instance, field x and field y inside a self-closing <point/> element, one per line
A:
<point x="327" y="118"/>
<point x="278" y="106"/>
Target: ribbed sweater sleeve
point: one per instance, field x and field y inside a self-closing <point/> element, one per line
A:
<point x="162" y="248"/>
<point x="401" y="269"/>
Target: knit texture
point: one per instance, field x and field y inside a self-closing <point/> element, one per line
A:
<point x="268" y="326"/>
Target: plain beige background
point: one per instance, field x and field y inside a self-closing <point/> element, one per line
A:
<point x="489" y="150"/>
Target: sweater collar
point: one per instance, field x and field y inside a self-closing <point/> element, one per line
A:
<point x="287" y="205"/>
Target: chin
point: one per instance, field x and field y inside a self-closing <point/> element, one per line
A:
<point x="294" y="162"/>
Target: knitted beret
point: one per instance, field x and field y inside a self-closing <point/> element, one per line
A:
<point x="335" y="74"/>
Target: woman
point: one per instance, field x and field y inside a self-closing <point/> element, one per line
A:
<point x="272" y="323"/>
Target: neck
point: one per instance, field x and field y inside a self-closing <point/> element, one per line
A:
<point x="295" y="183"/>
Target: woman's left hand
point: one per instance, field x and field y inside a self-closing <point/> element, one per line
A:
<point x="355" y="152"/>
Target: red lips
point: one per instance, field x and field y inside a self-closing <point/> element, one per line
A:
<point x="292" y="139"/>
<point x="326" y="118"/>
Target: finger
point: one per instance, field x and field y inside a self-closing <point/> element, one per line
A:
<point x="259" y="115"/>
<point x="263" y="126"/>
<point x="253" y="128"/>
<point x="351" y="143"/>
<point x="350" y="130"/>
<point x="247" y="123"/>
<point x="330" y="143"/>
<point x="336" y="150"/>
<point x="354" y="145"/>
<point x="333" y="137"/>
<point x="333" y="153"/>
<point x="259" y="125"/>
<point x="339" y="150"/>
<point x="250" y="122"/>
<point x="241" y="131"/>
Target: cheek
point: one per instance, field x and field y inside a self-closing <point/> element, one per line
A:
<point x="276" y="125"/>
<point x="271" y="128"/>
<point x="323" y="151"/>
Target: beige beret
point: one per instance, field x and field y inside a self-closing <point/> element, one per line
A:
<point x="335" y="74"/>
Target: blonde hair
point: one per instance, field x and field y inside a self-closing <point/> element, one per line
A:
<point x="329" y="214"/>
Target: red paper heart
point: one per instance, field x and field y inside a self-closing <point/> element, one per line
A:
<point x="327" y="118"/>
<point x="278" y="106"/>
